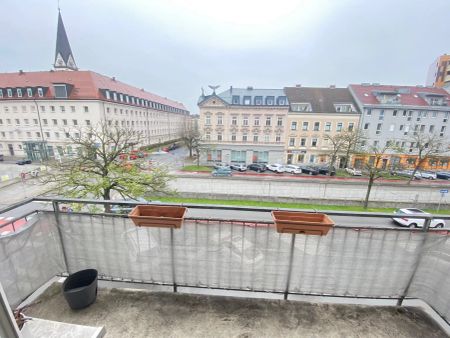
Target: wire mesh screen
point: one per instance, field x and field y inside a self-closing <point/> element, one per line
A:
<point x="432" y="280"/>
<point x="30" y="257"/>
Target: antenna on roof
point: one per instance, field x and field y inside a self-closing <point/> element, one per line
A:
<point x="59" y="9"/>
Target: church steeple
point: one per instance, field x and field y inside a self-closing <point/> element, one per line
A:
<point x="63" y="56"/>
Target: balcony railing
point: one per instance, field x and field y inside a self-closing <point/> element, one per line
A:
<point x="230" y="254"/>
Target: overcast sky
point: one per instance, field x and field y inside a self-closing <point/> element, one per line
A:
<point x="175" y="47"/>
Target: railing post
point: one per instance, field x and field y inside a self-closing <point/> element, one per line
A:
<point x="426" y="227"/>
<point x="291" y="260"/>
<point x="172" y="257"/>
<point x="58" y="226"/>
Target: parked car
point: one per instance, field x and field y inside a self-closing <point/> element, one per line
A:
<point x="429" y="175"/>
<point x="325" y="170"/>
<point x="309" y="170"/>
<point x="276" y="168"/>
<point x="293" y="169"/>
<point x="402" y="219"/>
<point x="238" y="166"/>
<point x="218" y="165"/>
<point x="407" y="173"/>
<point x="443" y="175"/>
<point x="25" y="161"/>
<point x="223" y="171"/>
<point x="259" y="167"/>
<point x="353" y="171"/>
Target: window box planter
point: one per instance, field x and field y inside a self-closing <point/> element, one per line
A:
<point x="80" y="288"/>
<point x="295" y="222"/>
<point x="157" y="216"/>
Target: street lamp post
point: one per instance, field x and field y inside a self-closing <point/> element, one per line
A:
<point x="42" y="132"/>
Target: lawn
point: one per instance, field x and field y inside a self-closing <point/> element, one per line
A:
<point x="275" y="205"/>
<point x="196" y="168"/>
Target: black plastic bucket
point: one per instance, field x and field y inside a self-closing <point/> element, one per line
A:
<point x="80" y="288"/>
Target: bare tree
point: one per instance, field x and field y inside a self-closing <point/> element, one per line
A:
<point x="352" y="142"/>
<point x="425" y="146"/>
<point x="375" y="166"/>
<point x="97" y="171"/>
<point x="338" y="144"/>
<point x="191" y="138"/>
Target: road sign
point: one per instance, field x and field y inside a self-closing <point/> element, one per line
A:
<point x="444" y="191"/>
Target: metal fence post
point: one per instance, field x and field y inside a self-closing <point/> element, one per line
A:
<point x="291" y="260"/>
<point x="172" y="257"/>
<point x="425" y="228"/>
<point x="58" y="226"/>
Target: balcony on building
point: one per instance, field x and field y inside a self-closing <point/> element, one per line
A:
<point x="225" y="276"/>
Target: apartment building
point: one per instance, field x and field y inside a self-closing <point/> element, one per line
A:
<point x="439" y="72"/>
<point x="243" y="125"/>
<point x="313" y="114"/>
<point x="41" y="111"/>
<point x="394" y="113"/>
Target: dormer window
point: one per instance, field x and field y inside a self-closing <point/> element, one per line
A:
<point x="236" y="99"/>
<point x="282" y="100"/>
<point x="9" y="92"/>
<point x="344" y="108"/>
<point x="107" y="94"/>
<point x="121" y="97"/>
<point x="40" y="92"/>
<point x="300" y="107"/>
<point x="1" y="93"/>
<point x="258" y="100"/>
<point x="270" y="100"/>
<point x="29" y="92"/>
<point x="19" y="92"/>
<point x="115" y="96"/>
<point x="387" y="97"/>
<point x="247" y="100"/>
<point x="60" y="91"/>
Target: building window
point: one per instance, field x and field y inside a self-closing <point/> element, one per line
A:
<point x="258" y="100"/>
<point x="278" y="138"/>
<point x="88" y="122"/>
<point x="244" y="138"/>
<point x="247" y="100"/>
<point x="63" y="109"/>
<point x="394" y="113"/>
<point x="29" y="92"/>
<point x="40" y="92"/>
<point x="9" y="92"/>
<point x="234" y="120"/>
<point x="381" y="117"/>
<point x="27" y="122"/>
<point x="316" y="126"/>
<point x="75" y="122"/>
<point x="19" y="92"/>
<point x="292" y="142"/>
<point x="293" y="125"/>
<point x="314" y="142"/>
<point x="236" y="99"/>
<point x="268" y="121"/>
<point x="219" y="120"/>
<point x="208" y="120"/>
<point x="60" y="91"/>
<point x="369" y="112"/>
<point x="434" y="114"/>
<point x="350" y="126"/>
<point x="266" y="138"/>
<point x="35" y="121"/>
<point x="55" y="122"/>
<point x="64" y="122"/>
<point x="233" y="137"/>
<point x="1" y="93"/>
<point x="52" y="108"/>
<point x="256" y="121"/>
<point x="207" y="136"/>
<point x="328" y="126"/>
<point x="17" y="121"/>
<point x="305" y="126"/>
<point x="255" y="138"/>
<point x="245" y="121"/>
<point x="219" y="137"/>
<point x="270" y="100"/>
<point x="280" y="122"/>
<point x="366" y="126"/>
<point x="67" y="135"/>
<point x="379" y="125"/>
<point x="86" y="109"/>
<point x="38" y="134"/>
<point x="339" y="127"/>
<point x="312" y="158"/>
<point x="303" y="142"/>
<point x="45" y="121"/>
<point x="431" y="128"/>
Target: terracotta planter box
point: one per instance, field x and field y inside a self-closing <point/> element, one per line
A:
<point x="295" y="222"/>
<point x="157" y="216"/>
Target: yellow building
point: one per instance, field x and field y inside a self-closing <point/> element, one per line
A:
<point x="313" y="114"/>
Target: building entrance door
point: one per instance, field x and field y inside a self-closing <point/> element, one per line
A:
<point x="11" y="149"/>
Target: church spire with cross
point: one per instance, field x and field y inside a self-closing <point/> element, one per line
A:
<point x="63" y="56"/>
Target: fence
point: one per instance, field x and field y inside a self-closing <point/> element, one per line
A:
<point x="361" y="261"/>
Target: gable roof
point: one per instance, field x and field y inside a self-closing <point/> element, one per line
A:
<point x="322" y="100"/>
<point x="86" y="85"/>
<point x="408" y="95"/>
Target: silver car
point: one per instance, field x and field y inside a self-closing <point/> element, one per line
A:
<point x="402" y="219"/>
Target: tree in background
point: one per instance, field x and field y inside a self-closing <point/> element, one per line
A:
<point x="191" y="139"/>
<point x="425" y="146"/>
<point x="98" y="170"/>
<point x="352" y="142"/>
<point x="337" y="145"/>
<point x="375" y="166"/>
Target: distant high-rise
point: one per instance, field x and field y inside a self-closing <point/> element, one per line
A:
<point x="439" y="72"/>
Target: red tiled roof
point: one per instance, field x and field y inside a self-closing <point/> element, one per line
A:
<point x="413" y="98"/>
<point x="86" y="85"/>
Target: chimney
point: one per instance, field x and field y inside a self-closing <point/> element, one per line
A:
<point x="298" y="86"/>
<point x="113" y="78"/>
<point x="21" y="72"/>
<point x="333" y="86"/>
<point x="231" y="89"/>
<point x="249" y="88"/>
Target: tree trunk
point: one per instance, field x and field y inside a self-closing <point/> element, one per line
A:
<point x="190" y="152"/>
<point x="369" y="188"/>
<point x="413" y="175"/>
<point x="107" y="196"/>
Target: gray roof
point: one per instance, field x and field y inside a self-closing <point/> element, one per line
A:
<point x="62" y="43"/>
<point x="277" y="96"/>
<point x="322" y="100"/>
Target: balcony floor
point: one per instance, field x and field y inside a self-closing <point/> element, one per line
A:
<point x="138" y="313"/>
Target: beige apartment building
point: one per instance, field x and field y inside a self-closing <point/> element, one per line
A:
<point x="313" y="114"/>
<point x="243" y="126"/>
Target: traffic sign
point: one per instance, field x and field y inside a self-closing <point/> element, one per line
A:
<point x="444" y="191"/>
